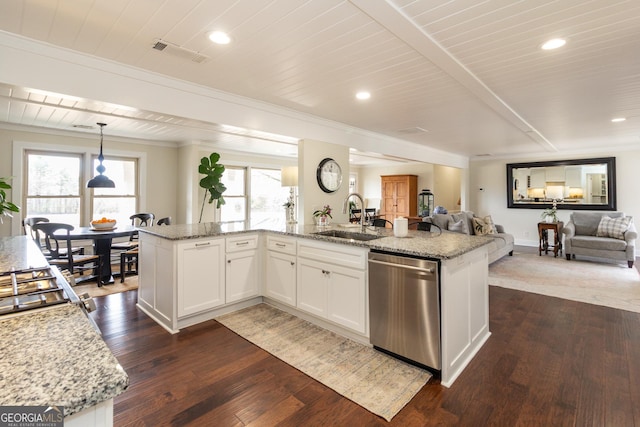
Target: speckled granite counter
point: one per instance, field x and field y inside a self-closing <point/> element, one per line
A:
<point x="55" y="357"/>
<point x="436" y="245"/>
<point x="52" y="356"/>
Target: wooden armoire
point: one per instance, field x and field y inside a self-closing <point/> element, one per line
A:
<point x="399" y="196"/>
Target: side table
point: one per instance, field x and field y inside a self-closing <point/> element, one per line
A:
<point x="543" y="234"/>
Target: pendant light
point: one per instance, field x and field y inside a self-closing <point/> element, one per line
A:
<point x="100" y="181"/>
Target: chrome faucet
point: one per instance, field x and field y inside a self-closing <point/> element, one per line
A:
<point x="346" y="203"/>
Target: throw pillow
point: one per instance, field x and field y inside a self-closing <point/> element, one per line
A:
<point x="458" y="226"/>
<point x="613" y="227"/>
<point x="484" y="225"/>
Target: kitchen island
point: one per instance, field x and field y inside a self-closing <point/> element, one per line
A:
<point x="195" y="272"/>
<point x="54" y="356"/>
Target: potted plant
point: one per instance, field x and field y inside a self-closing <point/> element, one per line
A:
<point x="212" y="182"/>
<point x="322" y="215"/>
<point x="6" y="207"/>
<point x="550" y="214"/>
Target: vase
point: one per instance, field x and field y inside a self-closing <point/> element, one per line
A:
<point x="322" y="221"/>
<point x="549" y="219"/>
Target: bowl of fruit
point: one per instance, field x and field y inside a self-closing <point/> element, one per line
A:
<point x="103" y="224"/>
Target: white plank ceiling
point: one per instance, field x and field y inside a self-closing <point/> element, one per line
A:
<point x="464" y="76"/>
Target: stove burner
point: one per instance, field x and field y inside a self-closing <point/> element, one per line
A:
<point x="33" y="288"/>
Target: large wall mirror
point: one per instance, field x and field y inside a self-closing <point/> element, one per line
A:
<point x="584" y="184"/>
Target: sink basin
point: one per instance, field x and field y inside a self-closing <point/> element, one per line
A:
<point x="348" y="235"/>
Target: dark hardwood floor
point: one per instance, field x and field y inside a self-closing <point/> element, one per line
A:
<point x="548" y="362"/>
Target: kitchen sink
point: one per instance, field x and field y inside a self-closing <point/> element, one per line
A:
<point x="348" y="235"/>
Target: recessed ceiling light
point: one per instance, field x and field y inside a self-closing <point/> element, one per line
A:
<point x="219" y="37"/>
<point x="363" y="95"/>
<point x="553" y="44"/>
<point x="618" y="119"/>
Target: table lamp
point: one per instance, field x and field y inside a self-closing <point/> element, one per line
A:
<point x="289" y="178"/>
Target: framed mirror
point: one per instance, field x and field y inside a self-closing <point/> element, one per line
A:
<point x="583" y="184"/>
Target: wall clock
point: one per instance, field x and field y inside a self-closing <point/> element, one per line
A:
<point x="329" y="175"/>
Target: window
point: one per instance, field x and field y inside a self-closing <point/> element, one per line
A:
<point x="235" y="207"/>
<point x="267" y="197"/>
<point x="53" y="184"/>
<point x="259" y="185"/>
<point x="121" y="202"/>
<point x="54" y="187"/>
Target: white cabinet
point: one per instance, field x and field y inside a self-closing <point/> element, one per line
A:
<point x="200" y="270"/>
<point x="555" y="173"/>
<point x="573" y="176"/>
<point x="242" y="263"/>
<point x="332" y="283"/>
<point x="281" y="266"/>
<point x="537" y="178"/>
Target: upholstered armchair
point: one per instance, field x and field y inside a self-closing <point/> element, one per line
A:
<point x="609" y="235"/>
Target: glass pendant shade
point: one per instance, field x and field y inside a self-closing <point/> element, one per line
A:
<point x="100" y="180"/>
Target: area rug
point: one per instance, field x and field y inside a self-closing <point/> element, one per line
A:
<point x="379" y="383"/>
<point x="93" y="290"/>
<point x="602" y="283"/>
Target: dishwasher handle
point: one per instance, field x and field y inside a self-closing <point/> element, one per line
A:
<point x="407" y="267"/>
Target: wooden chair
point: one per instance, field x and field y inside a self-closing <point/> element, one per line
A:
<point x="369" y="213"/>
<point x="381" y="222"/>
<point x="355" y="215"/>
<point x="421" y="225"/>
<point x="60" y="251"/>
<point x="27" y="228"/>
<point x="164" y="221"/>
<point x="139" y="220"/>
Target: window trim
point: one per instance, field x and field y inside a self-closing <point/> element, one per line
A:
<point x="18" y="164"/>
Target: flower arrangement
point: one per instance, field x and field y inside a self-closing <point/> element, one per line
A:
<point x="325" y="211"/>
<point x="551" y="212"/>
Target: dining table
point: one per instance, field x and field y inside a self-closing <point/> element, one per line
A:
<point x="102" y="239"/>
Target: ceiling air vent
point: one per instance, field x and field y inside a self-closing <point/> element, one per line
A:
<point x="412" y="131"/>
<point x="178" y="51"/>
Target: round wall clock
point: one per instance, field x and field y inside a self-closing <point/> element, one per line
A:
<point x="329" y="175"/>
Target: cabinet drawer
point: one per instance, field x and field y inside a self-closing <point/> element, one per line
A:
<point x="242" y="243"/>
<point x="281" y="244"/>
<point x="334" y="253"/>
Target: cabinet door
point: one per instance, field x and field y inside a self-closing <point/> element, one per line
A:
<point x="312" y="287"/>
<point x="346" y="298"/>
<point x="200" y="276"/>
<point x="281" y="277"/>
<point x="241" y="275"/>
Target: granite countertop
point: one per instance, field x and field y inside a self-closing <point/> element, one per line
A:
<point x="436" y="245"/>
<point x="55" y="357"/>
<point x="20" y="252"/>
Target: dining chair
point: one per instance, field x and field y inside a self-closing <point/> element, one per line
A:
<point x="138" y="220"/>
<point x="164" y="221"/>
<point x="27" y="227"/>
<point x="369" y="213"/>
<point x="381" y="222"/>
<point x="58" y="245"/>
<point x="355" y="215"/>
<point x="421" y="225"/>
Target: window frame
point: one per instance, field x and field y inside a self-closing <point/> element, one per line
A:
<point x="88" y="152"/>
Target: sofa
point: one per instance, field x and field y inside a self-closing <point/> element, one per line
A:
<point x="467" y="222"/>
<point x="609" y="235"/>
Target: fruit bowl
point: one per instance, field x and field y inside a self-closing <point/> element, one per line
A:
<point x="103" y="224"/>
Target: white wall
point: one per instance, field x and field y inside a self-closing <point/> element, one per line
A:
<point x="491" y="177"/>
<point x="311" y="197"/>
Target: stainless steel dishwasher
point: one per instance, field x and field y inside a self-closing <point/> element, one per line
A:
<point x="404" y="307"/>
